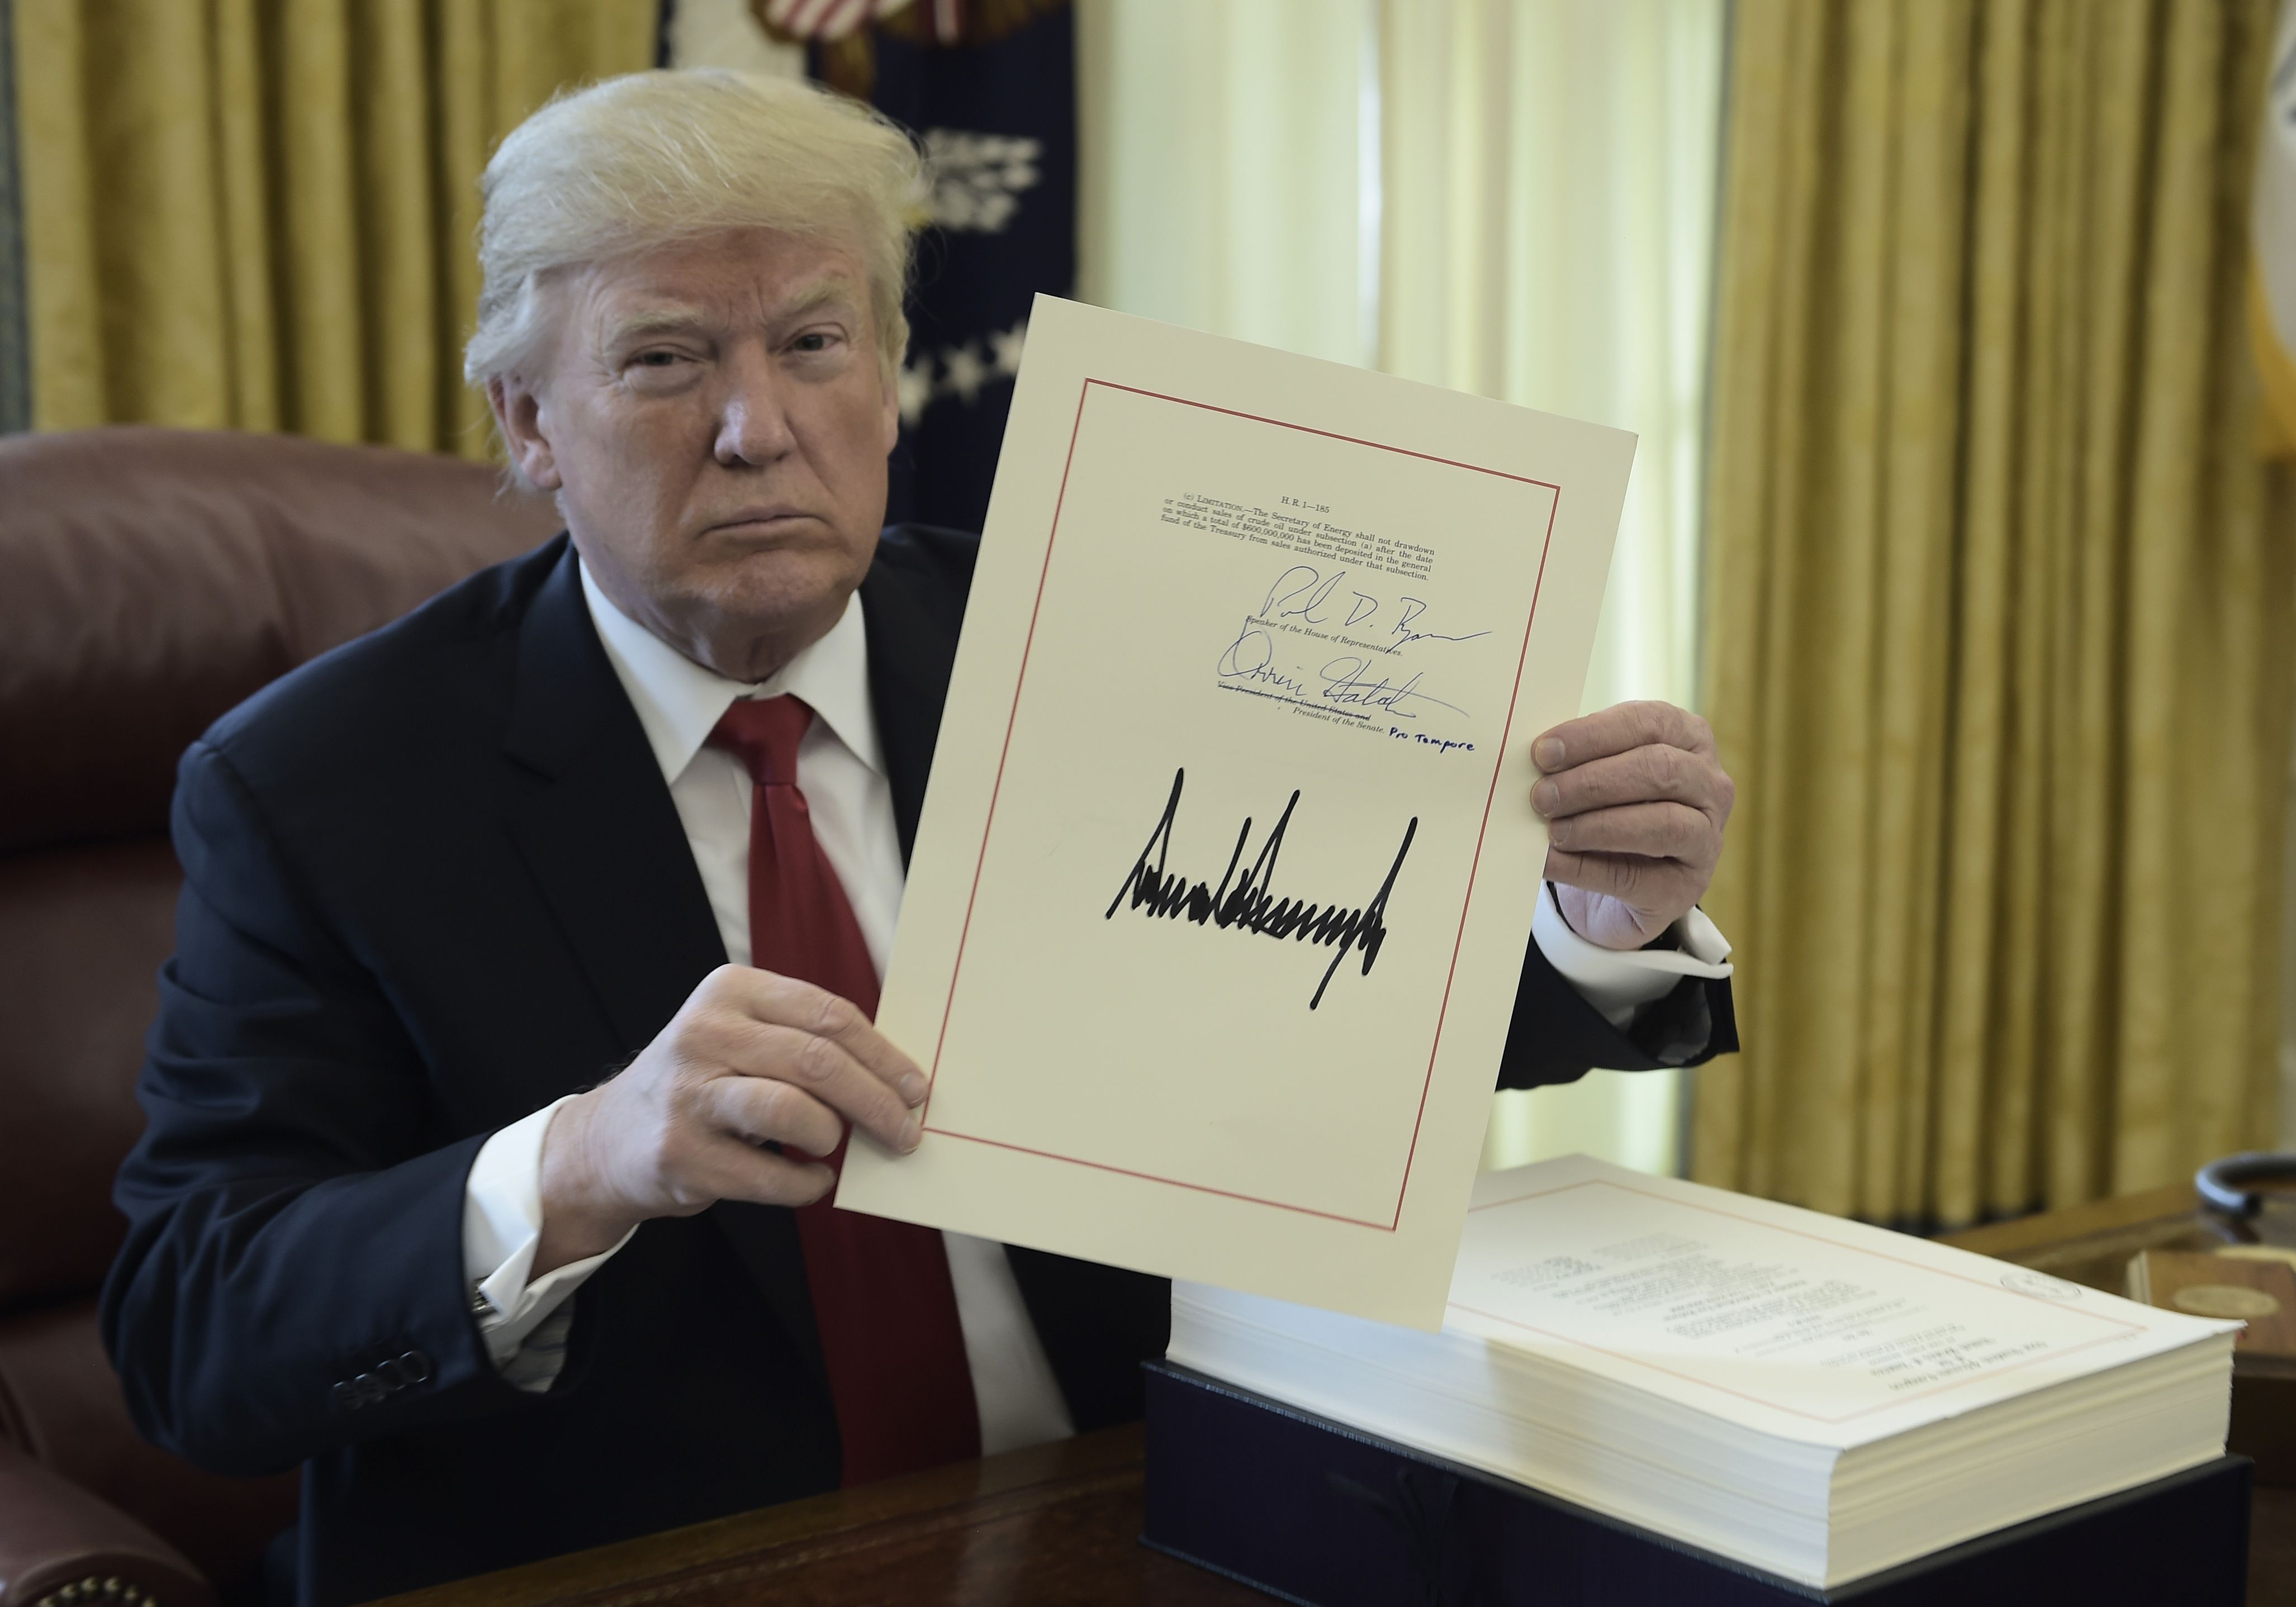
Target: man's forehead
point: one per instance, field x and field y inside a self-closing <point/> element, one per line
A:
<point x="663" y="304"/>
<point x="683" y="285"/>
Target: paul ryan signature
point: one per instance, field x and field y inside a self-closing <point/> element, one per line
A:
<point x="1306" y="593"/>
<point x="1250" y="905"/>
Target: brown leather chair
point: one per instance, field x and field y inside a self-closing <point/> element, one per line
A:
<point x="149" y="579"/>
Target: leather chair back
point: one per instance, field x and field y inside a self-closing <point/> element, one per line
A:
<point x="149" y="579"/>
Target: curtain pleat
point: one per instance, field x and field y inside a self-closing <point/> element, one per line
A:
<point x="1999" y="604"/>
<point x="259" y="214"/>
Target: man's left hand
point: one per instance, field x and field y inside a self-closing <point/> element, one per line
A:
<point x="1635" y="802"/>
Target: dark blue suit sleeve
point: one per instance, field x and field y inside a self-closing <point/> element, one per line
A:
<point x="1557" y="1036"/>
<point x="293" y="1278"/>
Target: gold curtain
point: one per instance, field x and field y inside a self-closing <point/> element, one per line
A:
<point x="259" y="214"/>
<point x="1999" y="616"/>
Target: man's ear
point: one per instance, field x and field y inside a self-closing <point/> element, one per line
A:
<point x="518" y="414"/>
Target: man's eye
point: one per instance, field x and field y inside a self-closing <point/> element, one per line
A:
<point x="656" y="359"/>
<point x="816" y="341"/>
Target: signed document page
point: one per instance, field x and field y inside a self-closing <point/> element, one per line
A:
<point x="1227" y="867"/>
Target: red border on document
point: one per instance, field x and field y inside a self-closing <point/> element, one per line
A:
<point x="948" y="1006"/>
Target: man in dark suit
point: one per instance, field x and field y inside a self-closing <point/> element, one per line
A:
<point x="528" y="946"/>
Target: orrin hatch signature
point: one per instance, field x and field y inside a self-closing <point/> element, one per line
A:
<point x="1249" y="905"/>
<point x="1351" y="682"/>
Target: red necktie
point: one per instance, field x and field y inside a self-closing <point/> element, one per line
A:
<point x="881" y="1297"/>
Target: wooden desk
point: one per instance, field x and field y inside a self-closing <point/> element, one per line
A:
<point x="1057" y="1526"/>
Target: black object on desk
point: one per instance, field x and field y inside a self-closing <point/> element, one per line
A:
<point x="1327" y="1516"/>
<point x="2225" y="1184"/>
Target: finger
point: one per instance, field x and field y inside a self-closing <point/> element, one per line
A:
<point x="821" y="1067"/>
<point x="786" y="1002"/>
<point x="730" y="1170"/>
<point x="1648" y="775"/>
<point x="763" y="1110"/>
<point x="1658" y="889"/>
<point x="1617" y="729"/>
<point x="1654" y="831"/>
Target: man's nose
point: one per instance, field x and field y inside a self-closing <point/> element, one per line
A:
<point x="753" y="422"/>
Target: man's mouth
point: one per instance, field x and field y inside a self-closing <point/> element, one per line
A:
<point x="762" y="520"/>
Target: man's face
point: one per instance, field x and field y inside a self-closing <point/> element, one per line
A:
<point x="714" y="418"/>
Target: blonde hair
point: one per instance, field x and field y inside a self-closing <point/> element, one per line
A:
<point x="653" y="157"/>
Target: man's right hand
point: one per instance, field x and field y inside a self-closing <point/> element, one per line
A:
<point x="752" y="1057"/>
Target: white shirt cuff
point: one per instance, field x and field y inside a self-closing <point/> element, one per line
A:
<point x="1617" y="982"/>
<point x="502" y="1227"/>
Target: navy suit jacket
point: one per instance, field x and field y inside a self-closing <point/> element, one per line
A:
<point x="433" y="881"/>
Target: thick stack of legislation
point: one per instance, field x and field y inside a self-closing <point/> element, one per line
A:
<point x="1813" y="1398"/>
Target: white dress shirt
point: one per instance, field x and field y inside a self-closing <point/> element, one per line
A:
<point x="840" y="768"/>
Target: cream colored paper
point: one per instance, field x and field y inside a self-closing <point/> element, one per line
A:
<point x="1215" y="575"/>
<point x="1782" y="1320"/>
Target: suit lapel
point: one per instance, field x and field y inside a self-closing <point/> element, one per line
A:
<point x="913" y="632"/>
<point x="604" y="844"/>
<point x="597" y="829"/>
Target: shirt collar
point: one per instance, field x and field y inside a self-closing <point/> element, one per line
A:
<point x="679" y="702"/>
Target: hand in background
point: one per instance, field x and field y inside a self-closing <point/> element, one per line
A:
<point x="750" y="1057"/>
<point x="1635" y="802"/>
